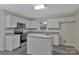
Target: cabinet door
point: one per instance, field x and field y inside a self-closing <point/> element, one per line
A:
<point x="9" y="43"/>
<point x="16" y="41"/>
<point x="20" y="20"/>
<point x="8" y="21"/>
<point x="11" y="21"/>
<point x="56" y="39"/>
<point x="34" y="24"/>
<point x="27" y="23"/>
<point x="53" y="24"/>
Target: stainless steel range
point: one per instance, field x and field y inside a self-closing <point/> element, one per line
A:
<point x="19" y="30"/>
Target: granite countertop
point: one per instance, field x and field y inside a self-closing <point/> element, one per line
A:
<point x="46" y="32"/>
<point x="11" y="34"/>
<point x="40" y="35"/>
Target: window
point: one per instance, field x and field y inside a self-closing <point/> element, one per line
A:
<point x="43" y="24"/>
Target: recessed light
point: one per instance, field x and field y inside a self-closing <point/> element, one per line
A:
<point x="38" y="7"/>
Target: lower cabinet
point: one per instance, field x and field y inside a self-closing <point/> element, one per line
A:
<point x="16" y="41"/>
<point x="8" y="42"/>
<point x="56" y="39"/>
<point x="39" y="46"/>
<point x="12" y="42"/>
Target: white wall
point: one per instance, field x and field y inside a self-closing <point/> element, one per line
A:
<point x="68" y="33"/>
<point x="2" y="30"/>
<point x="77" y="31"/>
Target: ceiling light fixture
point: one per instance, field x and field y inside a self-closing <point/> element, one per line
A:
<point x="38" y="7"/>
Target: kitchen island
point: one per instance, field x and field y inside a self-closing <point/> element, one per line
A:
<point x="39" y="44"/>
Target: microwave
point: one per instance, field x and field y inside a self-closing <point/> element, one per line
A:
<point x="21" y="26"/>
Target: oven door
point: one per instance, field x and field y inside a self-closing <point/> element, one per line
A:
<point x="23" y="38"/>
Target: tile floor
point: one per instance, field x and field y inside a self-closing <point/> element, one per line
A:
<point x="64" y="50"/>
<point x="23" y="51"/>
<point x="18" y="51"/>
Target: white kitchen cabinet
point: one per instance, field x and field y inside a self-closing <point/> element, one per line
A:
<point x="12" y="42"/>
<point x="25" y="21"/>
<point x="56" y="39"/>
<point x="20" y="20"/>
<point x="52" y="23"/>
<point x="27" y="24"/>
<point x="9" y="43"/>
<point x="16" y="41"/>
<point x="34" y="24"/>
<point x="39" y="44"/>
<point x="11" y="21"/>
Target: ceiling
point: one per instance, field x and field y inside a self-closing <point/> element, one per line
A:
<point x="51" y="10"/>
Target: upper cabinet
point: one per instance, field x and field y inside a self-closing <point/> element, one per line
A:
<point x="25" y="21"/>
<point x="34" y="24"/>
<point x="52" y="23"/>
<point x="20" y="20"/>
<point x="67" y="19"/>
<point x="44" y="24"/>
<point x="11" y="21"/>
